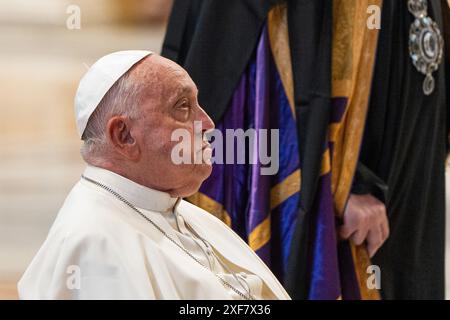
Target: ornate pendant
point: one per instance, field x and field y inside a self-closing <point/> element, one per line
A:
<point x="425" y="43"/>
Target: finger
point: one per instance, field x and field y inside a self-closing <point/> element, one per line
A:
<point x="350" y="223"/>
<point x="385" y="229"/>
<point x="346" y="230"/>
<point x="381" y="213"/>
<point x="359" y="236"/>
<point x="374" y="240"/>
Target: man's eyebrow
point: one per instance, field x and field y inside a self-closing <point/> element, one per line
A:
<point x="186" y="90"/>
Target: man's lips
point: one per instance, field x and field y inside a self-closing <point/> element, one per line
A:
<point x="206" y="145"/>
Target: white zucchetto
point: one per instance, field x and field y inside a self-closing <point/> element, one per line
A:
<point x="97" y="81"/>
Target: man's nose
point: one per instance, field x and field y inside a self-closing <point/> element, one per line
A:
<point x="207" y="123"/>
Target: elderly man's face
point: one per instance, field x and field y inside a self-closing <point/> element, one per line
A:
<point x="169" y="104"/>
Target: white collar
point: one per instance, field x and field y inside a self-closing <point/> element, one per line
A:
<point x="138" y="195"/>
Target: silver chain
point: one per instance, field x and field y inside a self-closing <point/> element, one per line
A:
<point x="131" y="206"/>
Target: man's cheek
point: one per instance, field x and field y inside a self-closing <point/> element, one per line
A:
<point x="183" y="145"/>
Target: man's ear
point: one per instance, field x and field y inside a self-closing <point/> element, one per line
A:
<point x="118" y="131"/>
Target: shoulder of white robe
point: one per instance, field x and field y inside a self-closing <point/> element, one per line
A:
<point x="203" y="222"/>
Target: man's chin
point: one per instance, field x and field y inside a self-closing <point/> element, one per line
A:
<point x="205" y="170"/>
<point x="202" y="174"/>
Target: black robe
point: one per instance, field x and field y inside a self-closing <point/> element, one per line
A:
<point x="405" y="146"/>
<point x="446" y="18"/>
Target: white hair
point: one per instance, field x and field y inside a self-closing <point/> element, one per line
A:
<point x="121" y="99"/>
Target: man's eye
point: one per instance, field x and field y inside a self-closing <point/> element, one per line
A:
<point x="182" y="111"/>
<point x="183" y="105"/>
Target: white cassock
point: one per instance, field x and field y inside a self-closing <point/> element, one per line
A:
<point x="100" y="248"/>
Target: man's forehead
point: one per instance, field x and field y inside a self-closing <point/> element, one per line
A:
<point x="167" y="77"/>
<point x="180" y="82"/>
<point x="186" y="88"/>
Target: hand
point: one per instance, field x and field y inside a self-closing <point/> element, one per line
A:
<point x="365" y="219"/>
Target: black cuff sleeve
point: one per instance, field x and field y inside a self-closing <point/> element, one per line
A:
<point x="366" y="181"/>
